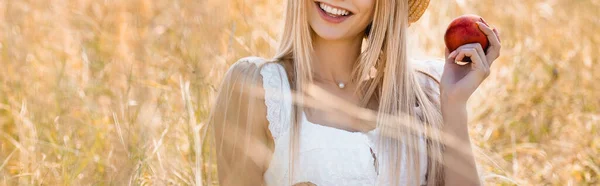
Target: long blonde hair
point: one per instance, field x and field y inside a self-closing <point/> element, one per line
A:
<point x="395" y="86"/>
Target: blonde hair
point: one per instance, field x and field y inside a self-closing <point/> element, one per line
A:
<point x="395" y="86"/>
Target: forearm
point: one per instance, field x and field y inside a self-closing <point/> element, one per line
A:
<point x="460" y="168"/>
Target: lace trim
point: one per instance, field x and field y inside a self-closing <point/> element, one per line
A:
<point x="277" y="95"/>
<point x="277" y="98"/>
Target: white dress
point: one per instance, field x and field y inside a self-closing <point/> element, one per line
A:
<point x="327" y="156"/>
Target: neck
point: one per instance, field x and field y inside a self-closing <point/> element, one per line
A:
<point x="335" y="59"/>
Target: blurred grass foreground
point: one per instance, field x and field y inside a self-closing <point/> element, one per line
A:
<point x="110" y="92"/>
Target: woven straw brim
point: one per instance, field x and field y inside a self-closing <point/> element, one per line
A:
<point x="416" y="9"/>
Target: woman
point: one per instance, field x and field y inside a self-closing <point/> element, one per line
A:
<point x="341" y="104"/>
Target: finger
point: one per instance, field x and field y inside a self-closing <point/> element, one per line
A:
<point x="477" y="47"/>
<point x="497" y="35"/>
<point x="476" y="60"/>
<point x="452" y="57"/>
<point x="465" y="52"/>
<point x="493" y="51"/>
<point x="482" y="56"/>
<point x="477" y="64"/>
<point x="491" y="35"/>
<point x="474" y="78"/>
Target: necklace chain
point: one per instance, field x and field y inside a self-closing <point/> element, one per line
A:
<point x="340" y="84"/>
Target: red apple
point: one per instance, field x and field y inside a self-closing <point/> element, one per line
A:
<point x="464" y="30"/>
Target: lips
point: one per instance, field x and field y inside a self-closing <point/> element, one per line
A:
<point x="331" y="13"/>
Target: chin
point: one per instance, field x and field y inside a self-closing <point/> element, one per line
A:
<point x="329" y="34"/>
<point x="332" y="32"/>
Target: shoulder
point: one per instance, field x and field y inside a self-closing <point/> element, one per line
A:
<point x="248" y="70"/>
<point x="251" y="60"/>
<point x="428" y="68"/>
<point x="240" y="98"/>
<point x="265" y="83"/>
<point x="254" y="67"/>
<point x="428" y="71"/>
<point x="239" y="120"/>
<point x="256" y="78"/>
<point x="245" y="66"/>
<point x="243" y="81"/>
<point x="428" y="74"/>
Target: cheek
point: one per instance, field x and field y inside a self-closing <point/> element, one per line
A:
<point x="364" y="5"/>
<point x="366" y="9"/>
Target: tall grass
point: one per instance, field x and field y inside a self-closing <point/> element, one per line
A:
<point x="117" y="92"/>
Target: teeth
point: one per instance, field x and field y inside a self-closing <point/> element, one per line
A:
<point x="333" y="11"/>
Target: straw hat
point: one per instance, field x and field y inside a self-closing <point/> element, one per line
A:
<point x="416" y="9"/>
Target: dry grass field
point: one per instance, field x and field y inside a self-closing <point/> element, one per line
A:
<point x="117" y="92"/>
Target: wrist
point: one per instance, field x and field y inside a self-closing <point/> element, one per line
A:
<point x="452" y="104"/>
<point x="455" y="116"/>
<point x="453" y="97"/>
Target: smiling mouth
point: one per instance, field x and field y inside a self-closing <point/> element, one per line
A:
<point x="333" y="11"/>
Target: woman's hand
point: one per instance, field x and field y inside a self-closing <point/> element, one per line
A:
<point x="460" y="81"/>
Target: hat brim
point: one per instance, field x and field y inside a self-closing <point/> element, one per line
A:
<point x="416" y="9"/>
